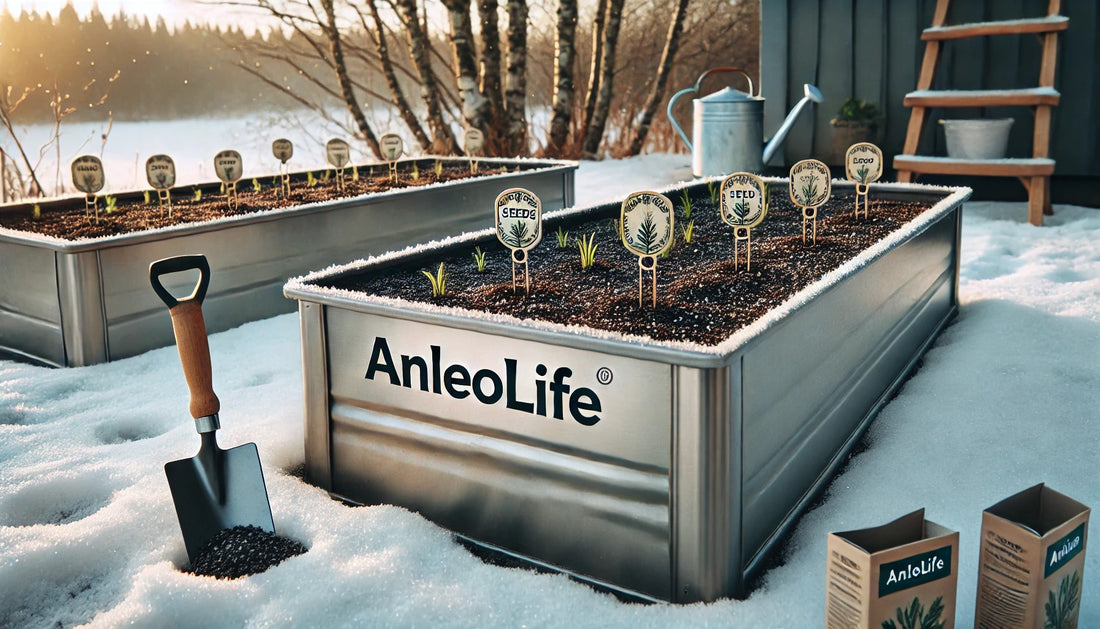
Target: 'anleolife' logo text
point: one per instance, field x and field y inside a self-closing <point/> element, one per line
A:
<point x="552" y="397"/>
<point x="1060" y="552"/>
<point x="912" y="571"/>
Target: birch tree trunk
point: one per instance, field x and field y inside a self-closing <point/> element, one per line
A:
<point x="672" y="43"/>
<point x="516" y="81"/>
<point x="443" y="140"/>
<point x="564" y="56"/>
<point x="342" y="78"/>
<point x="489" y="71"/>
<point x="594" y="135"/>
<point x="475" y="107"/>
<point x="597" y="58"/>
<point x="397" y="97"/>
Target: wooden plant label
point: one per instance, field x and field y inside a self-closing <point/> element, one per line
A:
<point x="88" y="174"/>
<point x="283" y="149"/>
<point x="227" y="165"/>
<point x="744" y="204"/>
<point x="475" y="141"/>
<point x="392" y="147"/>
<point x="160" y="170"/>
<point x="810" y="186"/>
<point x="338" y="152"/>
<point x="518" y="217"/>
<point x="646" y="224"/>
<point x="863" y="165"/>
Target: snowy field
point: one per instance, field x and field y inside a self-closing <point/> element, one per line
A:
<point x="1008" y="396"/>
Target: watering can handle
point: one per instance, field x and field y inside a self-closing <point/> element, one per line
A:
<point x="695" y="88"/>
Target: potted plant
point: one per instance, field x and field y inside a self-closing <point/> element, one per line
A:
<point x="856" y="121"/>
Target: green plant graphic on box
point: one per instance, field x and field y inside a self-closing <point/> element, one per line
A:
<point x="1061" y="612"/>
<point x="915" y="616"/>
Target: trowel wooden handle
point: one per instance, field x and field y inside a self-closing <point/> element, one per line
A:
<point x="190" y="330"/>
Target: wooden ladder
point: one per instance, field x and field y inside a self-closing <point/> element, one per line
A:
<point x="1033" y="172"/>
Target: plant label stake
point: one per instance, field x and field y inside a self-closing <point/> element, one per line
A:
<point x="227" y="165"/>
<point x="863" y="165"/>
<point x="744" y="206"/>
<point x="646" y="228"/>
<point x="283" y="150"/>
<point x="392" y="147"/>
<point x="88" y="178"/>
<point x="810" y="187"/>
<point x="339" y="154"/>
<point x="160" y="171"/>
<point x="475" y="144"/>
<point x="518" y="217"/>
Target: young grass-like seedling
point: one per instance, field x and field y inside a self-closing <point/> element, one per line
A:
<point x="715" y="190"/>
<point x="686" y="230"/>
<point x="37" y="211"/>
<point x="685" y="203"/>
<point x="325" y="176"/>
<point x="415" y="173"/>
<point x="439" y="281"/>
<point x="256" y="187"/>
<point x="438" y="168"/>
<point x="563" y="238"/>
<point x="148" y="200"/>
<point x="311" y="181"/>
<point x="112" y="203"/>
<point x="587" y="247"/>
<point x="355" y="173"/>
<point x="479" y="259"/>
<point x="197" y="192"/>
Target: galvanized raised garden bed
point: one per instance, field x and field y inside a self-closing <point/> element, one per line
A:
<point x="73" y="303"/>
<point x="660" y="469"/>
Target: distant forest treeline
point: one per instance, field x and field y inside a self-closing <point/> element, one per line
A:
<point x="131" y="68"/>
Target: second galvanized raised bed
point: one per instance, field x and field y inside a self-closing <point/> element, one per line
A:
<point x="82" y="302"/>
<point x="665" y="470"/>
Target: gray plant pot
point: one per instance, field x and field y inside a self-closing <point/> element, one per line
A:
<point x="702" y="458"/>
<point x="73" y="303"/>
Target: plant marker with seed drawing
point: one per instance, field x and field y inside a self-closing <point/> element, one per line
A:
<point x="160" y="170"/>
<point x="88" y="178"/>
<point x="646" y="227"/>
<point x="392" y="148"/>
<point x="474" y="144"/>
<point x="338" y="154"/>
<point x="227" y="165"/>
<point x="744" y="204"/>
<point x="283" y="149"/>
<point x="863" y="165"/>
<point x="810" y="187"/>
<point x="517" y="214"/>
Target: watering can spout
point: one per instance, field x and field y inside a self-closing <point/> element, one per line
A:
<point x="810" y="93"/>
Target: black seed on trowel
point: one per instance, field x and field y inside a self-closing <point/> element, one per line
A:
<point x="241" y="551"/>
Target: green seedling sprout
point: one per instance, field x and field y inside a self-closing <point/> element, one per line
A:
<point x="256" y="187"/>
<point x="687" y="230"/>
<point x="415" y="173"/>
<point x="439" y="281"/>
<point x="37" y="211"/>
<point x="311" y="181"/>
<point x="198" y="194"/>
<point x="438" y="168"/>
<point x="325" y="176"/>
<point x="685" y="203"/>
<point x="479" y="259"/>
<point x="563" y="238"/>
<point x="148" y="200"/>
<point x="112" y="203"/>
<point x="587" y="247"/>
<point x="715" y="190"/>
<point x="355" y="173"/>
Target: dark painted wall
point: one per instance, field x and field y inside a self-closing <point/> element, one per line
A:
<point x="871" y="49"/>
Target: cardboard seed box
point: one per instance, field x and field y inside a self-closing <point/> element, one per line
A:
<point x="901" y="575"/>
<point x="1032" y="561"/>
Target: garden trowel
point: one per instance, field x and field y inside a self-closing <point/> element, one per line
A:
<point x="216" y="489"/>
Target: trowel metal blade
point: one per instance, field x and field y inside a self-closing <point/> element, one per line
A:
<point x="209" y="501"/>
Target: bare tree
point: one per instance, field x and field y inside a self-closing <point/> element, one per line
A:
<point x="341" y="69"/>
<point x="610" y="40"/>
<point x="475" y="107"/>
<point x="516" y="90"/>
<point x="397" y="96"/>
<point x="443" y="139"/>
<point x="598" y="25"/>
<point x="7" y="108"/>
<point x="489" y="69"/>
<point x="672" y="43"/>
<point x="564" y="59"/>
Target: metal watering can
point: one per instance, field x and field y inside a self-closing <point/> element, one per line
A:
<point x="729" y="127"/>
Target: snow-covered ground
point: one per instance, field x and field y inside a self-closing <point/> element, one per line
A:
<point x="1008" y="396"/>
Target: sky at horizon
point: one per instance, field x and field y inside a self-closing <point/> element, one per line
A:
<point x="175" y="12"/>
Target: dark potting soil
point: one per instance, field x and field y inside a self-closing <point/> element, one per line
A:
<point x="702" y="297"/>
<point x="135" y="215"/>
<point x="243" y="550"/>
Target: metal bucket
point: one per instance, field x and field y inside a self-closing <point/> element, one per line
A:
<point x="727" y="134"/>
<point x="75" y="303"/>
<point x="661" y="471"/>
